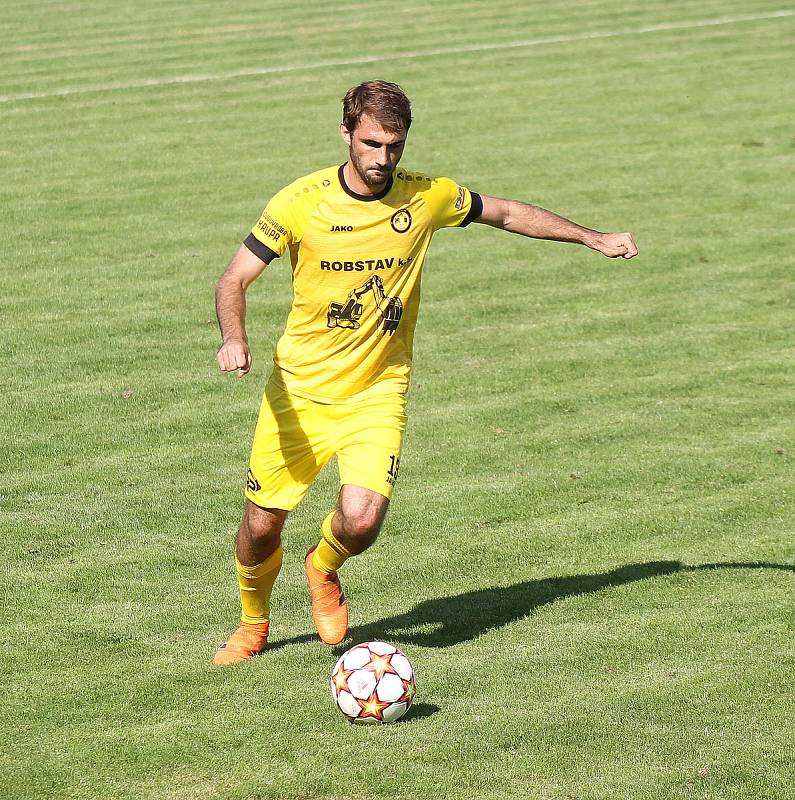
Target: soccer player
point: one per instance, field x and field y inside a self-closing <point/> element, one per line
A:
<point x="357" y="235"/>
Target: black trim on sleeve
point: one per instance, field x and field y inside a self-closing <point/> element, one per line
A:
<point x="475" y="210"/>
<point x="259" y="249"/>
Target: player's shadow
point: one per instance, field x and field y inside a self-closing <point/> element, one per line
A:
<point x="445" y="621"/>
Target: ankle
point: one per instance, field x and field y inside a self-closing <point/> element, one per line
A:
<point x="259" y="627"/>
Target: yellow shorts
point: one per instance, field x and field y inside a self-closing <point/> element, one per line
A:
<point x="296" y="437"/>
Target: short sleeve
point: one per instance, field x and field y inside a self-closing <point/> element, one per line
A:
<point x="275" y="229"/>
<point x="452" y="205"/>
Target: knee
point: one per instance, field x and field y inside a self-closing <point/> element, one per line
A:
<point x="361" y="529"/>
<point x="262" y="524"/>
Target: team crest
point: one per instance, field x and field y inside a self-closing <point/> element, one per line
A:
<point x="401" y="220"/>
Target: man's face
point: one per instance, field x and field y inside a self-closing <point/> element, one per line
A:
<point x="374" y="152"/>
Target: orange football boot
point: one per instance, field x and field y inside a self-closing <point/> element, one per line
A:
<point x="329" y="606"/>
<point x="247" y="641"/>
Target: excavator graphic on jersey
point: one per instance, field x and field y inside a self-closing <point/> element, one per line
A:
<point x="348" y="314"/>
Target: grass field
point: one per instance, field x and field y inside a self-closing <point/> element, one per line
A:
<point x="589" y="558"/>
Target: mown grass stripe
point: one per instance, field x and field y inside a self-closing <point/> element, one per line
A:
<point x="374" y="59"/>
<point x="239" y="37"/>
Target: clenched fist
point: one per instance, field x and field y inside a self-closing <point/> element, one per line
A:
<point x="615" y="245"/>
<point x="234" y="355"/>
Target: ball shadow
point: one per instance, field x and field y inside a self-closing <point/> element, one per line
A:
<point x="416" y="712"/>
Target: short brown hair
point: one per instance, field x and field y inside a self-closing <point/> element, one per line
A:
<point x="385" y="102"/>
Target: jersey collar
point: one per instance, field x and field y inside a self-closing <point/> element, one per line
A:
<point x="365" y="198"/>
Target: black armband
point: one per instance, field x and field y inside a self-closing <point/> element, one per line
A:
<point x="259" y="249"/>
<point x="475" y="210"/>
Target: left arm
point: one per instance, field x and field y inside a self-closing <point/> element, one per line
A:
<point x="538" y="223"/>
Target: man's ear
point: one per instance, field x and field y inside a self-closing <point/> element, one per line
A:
<point x="345" y="133"/>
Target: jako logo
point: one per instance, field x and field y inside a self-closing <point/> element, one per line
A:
<point x="341" y="228"/>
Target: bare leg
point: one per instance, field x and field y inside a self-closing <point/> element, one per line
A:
<point x="360" y="514"/>
<point x="259" y="534"/>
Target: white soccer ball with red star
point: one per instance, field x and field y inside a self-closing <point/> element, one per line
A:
<point x="373" y="683"/>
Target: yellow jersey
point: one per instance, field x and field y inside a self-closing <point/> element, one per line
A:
<point x="356" y="263"/>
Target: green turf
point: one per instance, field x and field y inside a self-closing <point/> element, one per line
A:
<point x="589" y="559"/>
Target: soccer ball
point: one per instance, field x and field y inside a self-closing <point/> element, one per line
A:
<point x="373" y="683"/>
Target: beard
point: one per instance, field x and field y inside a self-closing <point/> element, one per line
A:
<point x="370" y="178"/>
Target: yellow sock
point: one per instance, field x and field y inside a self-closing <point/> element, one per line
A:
<point x="256" y="585"/>
<point x="329" y="555"/>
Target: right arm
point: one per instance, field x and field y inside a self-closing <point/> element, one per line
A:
<point x="230" y="307"/>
